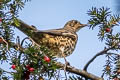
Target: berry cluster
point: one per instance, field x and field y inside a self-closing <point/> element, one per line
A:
<point x="30" y="69"/>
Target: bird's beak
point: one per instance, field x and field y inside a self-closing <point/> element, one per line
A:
<point x="84" y="25"/>
<point x="81" y="26"/>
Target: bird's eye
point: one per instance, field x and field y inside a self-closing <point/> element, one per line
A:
<point x="72" y="24"/>
<point x="75" y="22"/>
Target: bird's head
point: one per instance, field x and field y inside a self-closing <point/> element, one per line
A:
<point x="74" y="25"/>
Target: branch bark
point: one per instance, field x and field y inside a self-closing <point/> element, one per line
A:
<point x="79" y="72"/>
<point x="23" y="26"/>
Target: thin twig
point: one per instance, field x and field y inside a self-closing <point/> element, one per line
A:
<point x="5" y="42"/>
<point x="23" y="40"/>
<point x="94" y="57"/>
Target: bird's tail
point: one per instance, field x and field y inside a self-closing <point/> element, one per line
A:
<point x="25" y="28"/>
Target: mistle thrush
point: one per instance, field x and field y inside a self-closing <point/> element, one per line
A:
<point x="61" y="41"/>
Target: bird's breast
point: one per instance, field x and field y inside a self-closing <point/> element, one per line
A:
<point x="55" y="43"/>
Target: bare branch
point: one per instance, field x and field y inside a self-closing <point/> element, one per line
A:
<point x="94" y="57"/>
<point x="79" y="72"/>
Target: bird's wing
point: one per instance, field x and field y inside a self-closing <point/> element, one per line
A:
<point x="57" y="32"/>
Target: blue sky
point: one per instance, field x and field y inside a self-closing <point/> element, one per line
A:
<point x="53" y="14"/>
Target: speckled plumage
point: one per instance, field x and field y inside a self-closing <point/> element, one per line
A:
<point x="61" y="40"/>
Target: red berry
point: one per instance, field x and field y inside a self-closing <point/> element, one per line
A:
<point x="13" y="66"/>
<point x="31" y="69"/>
<point x="107" y="29"/>
<point x="47" y="59"/>
<point x="0" y="19"/>
<point x="28" y="66"/>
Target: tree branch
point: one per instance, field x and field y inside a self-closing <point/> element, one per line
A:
<point x="79" y="72"/>
<point x="94" y="57"/>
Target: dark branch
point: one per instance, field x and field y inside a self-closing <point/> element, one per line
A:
<point x="79" y="72"/>
<point x="94" y="57"/>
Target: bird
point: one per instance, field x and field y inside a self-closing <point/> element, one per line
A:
<point x="61" y="42"/>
